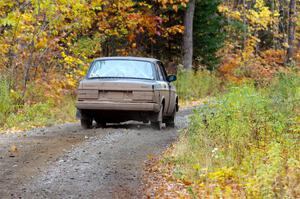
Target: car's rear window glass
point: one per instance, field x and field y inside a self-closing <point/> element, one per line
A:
<point x="121" y="69"/>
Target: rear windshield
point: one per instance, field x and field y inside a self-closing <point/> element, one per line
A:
<point x="121" y="69"/>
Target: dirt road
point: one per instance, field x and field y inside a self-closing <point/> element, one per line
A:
<point x="69" y="162"/>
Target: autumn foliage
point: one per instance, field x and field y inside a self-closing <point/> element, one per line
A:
<point x="53" y="41"/>
<point x="47" y="38"/>
<point x="244" y="143"/>
<point x="260" y="51"/>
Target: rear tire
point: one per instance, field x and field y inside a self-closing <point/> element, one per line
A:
<point x="100" y="124"/>
<point x="86" y="123"/>
<point x="170" y="121"/>
<point x="158" y="123"/>
<point x="170" y="124"/>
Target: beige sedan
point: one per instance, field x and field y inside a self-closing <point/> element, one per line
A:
<point x="119" y="89"/>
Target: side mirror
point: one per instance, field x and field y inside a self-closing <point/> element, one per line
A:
<point x="172" y="78"/>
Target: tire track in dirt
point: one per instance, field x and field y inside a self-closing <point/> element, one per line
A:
<point x="68" y="162"/>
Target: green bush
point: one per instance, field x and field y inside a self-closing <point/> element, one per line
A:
<point x="195" y="85"/>
<point x="30" y="116"/>
<point x="5" y="100"/>
<point x="245" y="141"/>
<point x="34" y="110"/>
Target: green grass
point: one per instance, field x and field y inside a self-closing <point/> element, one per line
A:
<point x="34" y="110"/>
<point x="5" y="101"/>
<point x="245" y="142"/>
<point x="196" y="85"/>
<point x="41" y="114"/>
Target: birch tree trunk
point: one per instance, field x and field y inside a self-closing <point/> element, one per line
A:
<point x="291" y="31"/>
<point x="188" y="36"/>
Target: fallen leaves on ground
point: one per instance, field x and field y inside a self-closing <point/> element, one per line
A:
<point x="193" y="103"/>
<point x="13" y="150"/>
<point x="158" y="181"/>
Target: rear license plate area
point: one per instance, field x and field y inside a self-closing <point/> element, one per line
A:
<point x="115" y="95"/>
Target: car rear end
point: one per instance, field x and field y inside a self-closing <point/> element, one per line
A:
<point x="109" y="97"/>
<point x="118" y="95"/>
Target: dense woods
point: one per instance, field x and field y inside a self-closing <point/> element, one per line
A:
<point x="45" y="41"/>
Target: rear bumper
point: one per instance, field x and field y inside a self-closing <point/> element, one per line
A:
<point x="117" y="106"/>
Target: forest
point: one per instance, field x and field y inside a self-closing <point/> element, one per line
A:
<point x="242" y="54"/>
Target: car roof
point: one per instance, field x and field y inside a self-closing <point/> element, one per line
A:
<point x="128" y="58"/>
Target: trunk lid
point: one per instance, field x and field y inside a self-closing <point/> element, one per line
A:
<point x="116" y="90"/>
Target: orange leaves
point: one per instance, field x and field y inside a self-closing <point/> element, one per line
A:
<point x="247" y="56"/>
<point x="131" y="37"/>
<point x="123" y="21"/>
<point x="174" y="4"/>
<point x="62" y="36"/>
<point x="273" y="57"/>
<point x="159" y="181"/>
<point x="229" y="64"/>
<point x="260" y="68"/>
<point x="173" y="30"/>
<point x="138" y="23"/>
<point x="175" y="7"/>
<point x="297" y="58"/>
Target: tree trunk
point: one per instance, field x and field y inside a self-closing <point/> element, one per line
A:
<point x="291" y="31"/>
<point x="244" y="25"/>
<point x="188" y="36"/>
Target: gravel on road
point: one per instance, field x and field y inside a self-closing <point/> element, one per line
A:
<point x="68" y="162"/>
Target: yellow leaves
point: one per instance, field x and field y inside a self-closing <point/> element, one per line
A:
<point x="9" y="20"/>
<point x="175" y="7"/>
<point x="63" y="54"/>
<point x="27" y="17"/>
<point x="250" y="45"/>
<point x="259" y="4"/>
<point x="261" y="18"/>
<point x="184" y="3"/>
<point x="3" y="47"/>
<point x="174" y="4"/>
<point x="97" y="3"/>
<point x="222" y="175"/>
<point x="173" y="30"/>
<point x="71" y="61"/>
<point x="223" y="8"/>
<point x="276" y="14"/>
<point x="42" y="43"/>
<point x="81" y="73"/>
<point x="13" y="149"/>
<point x="143" y="4"/>
<point x="133" y="45"/>
<point x="229" y="13"/>
<point x="249" y="63"/>
<point x="286" y="45"/>
<point x="235" y="15"/>
<point x="76" y="69"/>
<point x="71" y="81"/>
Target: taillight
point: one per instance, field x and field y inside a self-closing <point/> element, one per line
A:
<point x="143" y="96"/>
